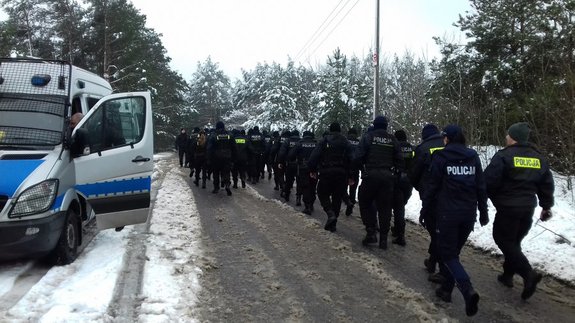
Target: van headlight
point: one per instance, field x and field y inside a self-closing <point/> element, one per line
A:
<point x="35" y="199"/>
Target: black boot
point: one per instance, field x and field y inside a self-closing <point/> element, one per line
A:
<point x="330" y="225"/>
<point x="471" y="302"/>
<point x="530" y="284"/>
<point x="382" y="240"/>
<point x="429" y="265"/>
<point x="243" y="184"/>
<point x="307" y="209"/>
<point x="443" y="294"/>
<point x="506" y="280"/>
<point x="215" y="190"/>
<point x="400" y="240"/>
<point x="227" y="186"/>
<point x="196" y="182"/>
<point x="298" y="200"/>
<point x="235" y="184"/>
<point x="370" y="238"/>
<point x="349" y="209"/>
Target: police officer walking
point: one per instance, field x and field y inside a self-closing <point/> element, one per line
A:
<point x="380" y="156"/>
<point x="330" y="162"/>
<point x="240" y="163"/>
<point x="402" y="191"/>
<point x="306" y="185"/>
<point x="349" y="198"/>
<point x="257" y="163"/>
<point x="515" y="176"/>
<point x="221" y="152"/>
<point x="181" y="146"/>
<point x="418" y="174"/>
<point x="289" y="165"/>
<point x="457" y="184"/>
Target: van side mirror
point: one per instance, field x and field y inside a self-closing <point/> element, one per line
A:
<point x="80" y="145"/>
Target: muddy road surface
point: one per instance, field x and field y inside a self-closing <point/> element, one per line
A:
<point x="265" y="261"/>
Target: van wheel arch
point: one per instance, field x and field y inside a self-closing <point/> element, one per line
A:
<point x="66" y="249"/>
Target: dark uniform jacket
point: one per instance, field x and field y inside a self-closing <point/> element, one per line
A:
<point x="257" y="143"/>
<point x="456" y="185"/>
<point x="408" y="154"/>
<point x="221" y="147"/>
<point x="243" y="148"/>
<point x="379" y="151"/>
<point x="182" y="141"/>
<point x="419" y="171"/>
<point x="516" y="175"/>
<point x="286" y="147"/>
<point x="333" y="154"/>
<point x="302" y="151"/>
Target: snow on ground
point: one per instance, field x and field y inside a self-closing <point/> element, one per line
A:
<point x="83" y="290"/>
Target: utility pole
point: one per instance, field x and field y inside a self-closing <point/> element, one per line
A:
<point x="376" y="62"/>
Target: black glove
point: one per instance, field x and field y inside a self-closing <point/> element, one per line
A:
<point x="422" y="214"/>
<point x="483" y="218"/>
<point x="545" y="215"/>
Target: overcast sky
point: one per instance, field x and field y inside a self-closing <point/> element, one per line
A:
<point x="239" y="34"/>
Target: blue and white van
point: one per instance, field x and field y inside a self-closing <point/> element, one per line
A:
<point x="55" y="180"/>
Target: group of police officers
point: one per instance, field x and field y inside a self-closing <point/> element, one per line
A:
<point x="448" y="175"/>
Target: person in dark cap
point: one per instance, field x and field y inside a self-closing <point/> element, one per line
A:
<point x="349" y="198"/>
<point x="181" y="146"/>
<point x="455" y="190"/>
<point x="402" y="191"/>
<point x="306" y="185"/>
<point x="288" y="164"/>
<point x="379" y="155"/>
<point x="517" y="177"/>
<point x="240" y="162"/>
<point x="258" y="147"/>
<point x="221" y="152"/>
<point x="432" y="141"/>
<point x="330" y="162"/>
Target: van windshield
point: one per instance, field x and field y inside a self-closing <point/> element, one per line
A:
<point x="31" y="121"/>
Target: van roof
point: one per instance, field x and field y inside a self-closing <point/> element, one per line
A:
<point x="47" y="77"/>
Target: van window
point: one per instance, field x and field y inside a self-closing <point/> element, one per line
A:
<point x="92" y="102"/>
<point x="117" y="122"/>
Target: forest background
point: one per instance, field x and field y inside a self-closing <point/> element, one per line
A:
<point x="517" y="65"/>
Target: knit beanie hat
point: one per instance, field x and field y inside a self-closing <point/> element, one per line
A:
<point x="519" y="131"/>
<point x="380" y="122"/>
<point x="334" y="127"/>
<point x="400" y="135"/>
<point x="219" y="125"/>
<point x="429" y="130"/>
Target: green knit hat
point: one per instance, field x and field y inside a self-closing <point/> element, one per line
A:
<point x="519" y="131"/>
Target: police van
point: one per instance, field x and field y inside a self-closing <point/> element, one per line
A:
<point x="55" y="180"/>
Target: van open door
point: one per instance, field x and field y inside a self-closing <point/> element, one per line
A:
<point x="114" y="167"/>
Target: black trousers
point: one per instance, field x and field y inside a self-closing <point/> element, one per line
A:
<point x="199" y="165"/>
<point x="221" y="170"/>
<point x="290" y="175"/>
<point x="182" y="155"/>
<point x="510" y="227"/>
<point x="239" y="170"/>
<point x="306" y="186"/>
<point x="401" y="195"/>
<point x="452" y="233"/>
<point x="350" y="198"/>
<point x="330" y="189"/>
<point x="376" y="188"/>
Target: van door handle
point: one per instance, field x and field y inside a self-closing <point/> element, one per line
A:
<point x="140" y="159"/>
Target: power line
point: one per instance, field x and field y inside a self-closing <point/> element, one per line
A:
<point x="321" y="28"/>
<point x="333" y="29"/>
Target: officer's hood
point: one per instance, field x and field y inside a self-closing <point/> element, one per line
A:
<point x="455" y="151"/>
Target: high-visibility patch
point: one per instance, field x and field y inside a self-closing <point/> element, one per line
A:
<point x="240" y="141"/>
<point x="527" y="162"/>
<point x="432" y="150"/>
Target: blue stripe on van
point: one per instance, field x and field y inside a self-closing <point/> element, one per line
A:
<point x="124" y="186"/>
<point x="14" y="172"/>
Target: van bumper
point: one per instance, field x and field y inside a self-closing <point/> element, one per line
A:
<point x="30" y="238"/>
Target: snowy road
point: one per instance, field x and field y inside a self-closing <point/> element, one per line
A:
<point x="250" y="258"/>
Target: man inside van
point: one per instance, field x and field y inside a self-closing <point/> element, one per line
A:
<point x="75" y="119"/>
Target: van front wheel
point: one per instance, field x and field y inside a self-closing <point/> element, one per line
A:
<point x="66" y="250"/>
